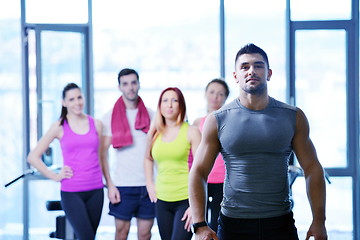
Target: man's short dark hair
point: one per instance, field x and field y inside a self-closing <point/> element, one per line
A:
<point x="251" y="48"/>
<point x="127" y="71"/>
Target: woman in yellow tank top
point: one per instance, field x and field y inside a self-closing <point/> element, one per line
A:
<point x="169" y="142"/>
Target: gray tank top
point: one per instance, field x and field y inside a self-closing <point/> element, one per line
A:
<point x="256" y="146"/>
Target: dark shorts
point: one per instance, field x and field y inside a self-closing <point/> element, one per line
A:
<point x="135" y="202"/>
<point x="279" y="228"/>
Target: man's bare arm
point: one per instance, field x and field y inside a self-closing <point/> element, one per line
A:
<point x="203" y="162"/>
<point x="113" y="193"/>
<point x="314" y="176"/>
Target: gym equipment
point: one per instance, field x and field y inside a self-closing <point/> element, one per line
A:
<point x="63" y="228"/>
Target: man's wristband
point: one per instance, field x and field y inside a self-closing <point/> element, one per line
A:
<point x="195" y="226"/>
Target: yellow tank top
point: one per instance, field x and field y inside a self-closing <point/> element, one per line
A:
<point x="172" y="163"/>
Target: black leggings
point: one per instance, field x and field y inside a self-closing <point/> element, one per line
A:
<point x="215" y="191"/>
<point x="83" y="210"/>
<point x="168" y="216"/>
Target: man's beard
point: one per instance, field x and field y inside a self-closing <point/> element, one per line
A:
<point x="130" y="98"/>
<point x="258" y="90"/>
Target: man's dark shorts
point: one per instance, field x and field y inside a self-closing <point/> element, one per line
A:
<point x="275" y="228"/>
<point x="135" y="202"/>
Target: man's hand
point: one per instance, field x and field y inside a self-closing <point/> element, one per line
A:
<point x="113" y="194"/>
<point x="205" y="233"/>
<point x="150" y="187"/>
<point x="317" y="230"/>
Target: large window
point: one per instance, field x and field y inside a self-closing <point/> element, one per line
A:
<point x="320" y="10"/>
<point x="64" y="11"/>
<point x="321" y="91"/>
<point x="11" y="131"/>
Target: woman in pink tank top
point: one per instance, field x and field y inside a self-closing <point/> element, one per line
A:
<point x="79" y="134"/>
<point x="216" y="93"/>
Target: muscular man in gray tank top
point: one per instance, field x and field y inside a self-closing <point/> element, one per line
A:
<point x="256" y="135"/>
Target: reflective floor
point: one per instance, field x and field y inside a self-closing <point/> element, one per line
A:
<point x="105" y="233"/>
<point x="302" y="235"/>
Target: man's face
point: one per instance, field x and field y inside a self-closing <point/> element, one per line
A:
<point x="252" y="73"/>
<point x="129" y="86"/>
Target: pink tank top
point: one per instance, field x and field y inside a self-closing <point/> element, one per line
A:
<point x="217" y="173"/>
<point x="80" y="153"/>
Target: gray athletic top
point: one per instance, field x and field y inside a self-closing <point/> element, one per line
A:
<point x="256" y="146"/>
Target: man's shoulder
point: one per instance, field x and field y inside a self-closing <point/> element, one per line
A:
<point x="229" y="106"/>
<point x="107" y="115"/>
<point x="279" y="104"/>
